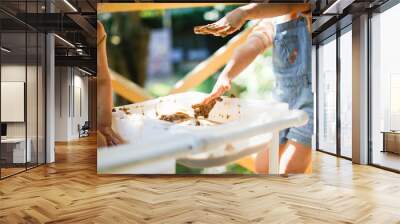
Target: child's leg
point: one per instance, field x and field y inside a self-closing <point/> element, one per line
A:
<point x="296" y="158"/>
<point x="293" y="158"/>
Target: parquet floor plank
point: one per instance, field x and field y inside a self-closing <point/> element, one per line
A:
<point x="70" y="191"/>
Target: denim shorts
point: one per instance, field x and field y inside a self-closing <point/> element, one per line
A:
<point x="292" y="69"/>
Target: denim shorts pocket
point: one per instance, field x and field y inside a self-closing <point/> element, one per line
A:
<point x="286" y="51"/>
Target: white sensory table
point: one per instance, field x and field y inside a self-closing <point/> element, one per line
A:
<point x="154" y="146"/>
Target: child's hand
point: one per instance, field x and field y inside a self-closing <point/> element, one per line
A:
<point x="223" y="84"/>
<point x="111" y="138"/>
<point x="230" y="23"/>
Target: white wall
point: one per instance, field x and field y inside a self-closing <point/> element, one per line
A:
<point x="34" y="125"/>
<point x="71" y="94"/>
<point x="61" y="103"/>
<point x="80" y="110"/>
<point x="16" y="73"/>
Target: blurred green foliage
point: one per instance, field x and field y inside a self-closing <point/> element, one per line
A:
<point x="257" y="80"/>
<point x="181" y="169"/>
<point x="235" y="168"/>
<point x="232" y="168"/>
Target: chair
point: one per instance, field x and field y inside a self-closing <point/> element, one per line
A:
<point x="84" y="130"/>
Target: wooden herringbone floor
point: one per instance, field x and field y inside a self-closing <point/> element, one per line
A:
<point x="70" y="191"/>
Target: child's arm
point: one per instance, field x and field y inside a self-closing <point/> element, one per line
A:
<point x="235" y="19"/>
<point x="259" y="11"/>
<point x="258" y="41"/>
<point x="104" y="92"/>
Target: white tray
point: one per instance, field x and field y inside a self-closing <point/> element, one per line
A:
<point x="246" y="126"/>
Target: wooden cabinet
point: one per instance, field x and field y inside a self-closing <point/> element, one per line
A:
<point x="391" y="141"/>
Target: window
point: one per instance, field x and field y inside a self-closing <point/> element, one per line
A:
<point x="14" y="148"/>
<point x="327" y="97"/>
<point x="385" y="89"/>
<point x="394" y="102"/>
<point x="346" y="94"/>
<point x="22" y="89"/>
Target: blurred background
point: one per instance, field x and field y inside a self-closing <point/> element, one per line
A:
<point x="157" y="48"/>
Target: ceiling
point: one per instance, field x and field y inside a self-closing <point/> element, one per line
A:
<point x="331" y="15"/>
<point x="72" y="20"/>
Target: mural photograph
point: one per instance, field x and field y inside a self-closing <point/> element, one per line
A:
<point x="204" y="88"/>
